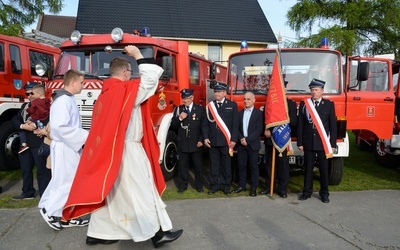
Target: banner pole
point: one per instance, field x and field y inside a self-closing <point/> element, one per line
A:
<point x="272" y="179"/>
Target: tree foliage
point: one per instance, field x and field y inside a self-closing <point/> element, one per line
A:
<point x="367" y="27"/>
<point x="16" y="14"/>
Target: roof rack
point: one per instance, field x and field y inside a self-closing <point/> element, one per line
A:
<point x="42" y="37"/>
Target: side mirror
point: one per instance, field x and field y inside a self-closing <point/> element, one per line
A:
<point x="363" y="71"/>
<point x="213" y="71"/>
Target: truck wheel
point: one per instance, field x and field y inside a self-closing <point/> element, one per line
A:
<point x="169" y="163"/>
<point x="9" y="146"/>
<point x="335" y="171"/>
<point x="382" y="157"/>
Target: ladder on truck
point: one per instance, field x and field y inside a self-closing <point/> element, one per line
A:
<point x="42" y="37"/>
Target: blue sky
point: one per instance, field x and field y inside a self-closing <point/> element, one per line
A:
<point x="274" y="10"/>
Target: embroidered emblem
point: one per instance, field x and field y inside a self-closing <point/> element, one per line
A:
<point x="162" y="104"/>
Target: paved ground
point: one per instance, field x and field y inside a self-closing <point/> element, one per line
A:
<point x="352" y="220"/>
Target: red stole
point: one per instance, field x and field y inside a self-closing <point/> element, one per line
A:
<point x="221" y="125"/>
<point x="102" y="154"/>
<point x="320" y="128"/>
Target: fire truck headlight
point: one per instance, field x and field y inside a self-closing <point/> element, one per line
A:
<point x="116" y="34"/>
<point x="76" y="36"/>
<point x="40" y="69"/>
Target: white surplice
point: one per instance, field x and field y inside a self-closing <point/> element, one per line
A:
<point x="134" y="209"/>
<point x="65" y="150"/>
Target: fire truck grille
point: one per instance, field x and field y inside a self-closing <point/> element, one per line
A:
<point x="86" y="122"/>
<point x="88" y="108"/>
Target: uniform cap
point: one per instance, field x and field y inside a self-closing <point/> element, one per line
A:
<point x="316" y="83"/>
<point x="220" y="86"/>
<point x="30" y="85"/>
<point x="186" y="92"/>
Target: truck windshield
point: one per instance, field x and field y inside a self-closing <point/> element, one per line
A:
<point x="252" y="71"/>
<point x="95" y="61"/>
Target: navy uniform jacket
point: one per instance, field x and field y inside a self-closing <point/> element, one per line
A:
<point x="194" y="123"/>
<point x="255" y="128"/>
<point x="230" y="115"/>
<point x="307" y="135"/>
<point x="33" y="140"/>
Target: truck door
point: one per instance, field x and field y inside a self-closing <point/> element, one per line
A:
<point x="370" y="96"/>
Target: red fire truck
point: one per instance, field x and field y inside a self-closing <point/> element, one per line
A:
<point x="386" y="151"/>
<point x="92" y="54"/>
<point x="361" y="89"/>
<point x="21" y="61"/>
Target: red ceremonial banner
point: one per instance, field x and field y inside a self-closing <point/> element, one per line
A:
<point x="276" y="109"/>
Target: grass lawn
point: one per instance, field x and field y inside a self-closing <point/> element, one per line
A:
<point x="361" y="172"/>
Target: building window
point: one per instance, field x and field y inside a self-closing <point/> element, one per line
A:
<point x="214" y="51"/>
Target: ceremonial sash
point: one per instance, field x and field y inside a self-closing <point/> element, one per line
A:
<point x="220" y="123"/>
<point x="320" y="128"/>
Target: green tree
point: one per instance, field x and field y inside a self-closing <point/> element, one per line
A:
<point x="353" y="26"/>
<point x="16" y="14"/>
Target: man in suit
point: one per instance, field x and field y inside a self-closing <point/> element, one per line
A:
<point x="313" y="141"/>
<point x="251" y="126"/>
<point x="282" y="163"/>
<point x="220" y="133"/>
<point x="188" y="120"/>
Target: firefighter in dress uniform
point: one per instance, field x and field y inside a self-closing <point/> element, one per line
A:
<point x="187" y="120"/>
<point x="312" y="140"/>
<point x="220" y="133"/>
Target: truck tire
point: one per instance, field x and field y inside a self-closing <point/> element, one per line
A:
<point x="382" y="157"/>
<point x="9" y="147"/>
<point x="169" y="163"/>
<point x="335" y="171"/>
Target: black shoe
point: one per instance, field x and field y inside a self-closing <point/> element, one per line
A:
<point x="95" y="241"/>
<point x="265" y="192"/>
<point x="238" y="190"/>
<point x="282" y="194"/>
<point x="200" y="190"/>
<point x="168" y="237"/>
<point x="253" y="193"/>
<point x="22" y="197"/>
<point x="304" y="197"/>
<point x="227" y="192"/>
<point x="212" y="191"/>
<point x="181" y="190"/>
<point x="325" y="199"/>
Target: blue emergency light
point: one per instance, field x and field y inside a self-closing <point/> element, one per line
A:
<point x="145" y="31"/>
<point x="324" y="43"/>
<point x="243" y="45"/>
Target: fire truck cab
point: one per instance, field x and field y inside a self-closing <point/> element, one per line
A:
<point x="386" y="151"/>
<point x="19" y="63"/>
<point x="360" y="88"/>
<point x="92" y="54"/>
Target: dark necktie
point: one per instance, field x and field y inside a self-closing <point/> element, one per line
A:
<point x="219" y="104"/>
<point x="188" y="110"/>
<point x="316" y="104"/>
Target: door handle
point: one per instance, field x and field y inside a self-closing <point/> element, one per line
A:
<point x="388" y="99"/>
<point x="356" y="98"/>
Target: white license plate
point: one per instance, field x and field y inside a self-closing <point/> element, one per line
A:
<point x="292" y="159"/>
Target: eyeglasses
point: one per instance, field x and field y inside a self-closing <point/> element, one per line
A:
<point x="29" y="93"/>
